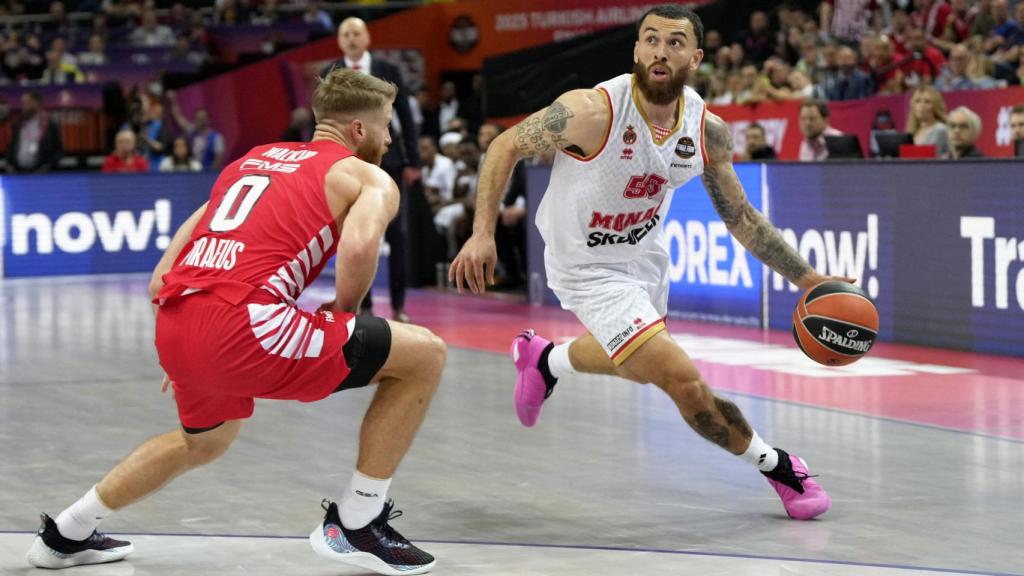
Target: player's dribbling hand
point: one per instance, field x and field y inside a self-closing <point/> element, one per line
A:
<point x="475" y="261"/>
<point x="813" y="279"/>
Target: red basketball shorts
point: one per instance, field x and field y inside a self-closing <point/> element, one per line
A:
<point x="220" y="356"/>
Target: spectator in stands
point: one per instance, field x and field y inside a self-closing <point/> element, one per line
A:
<point x="737" y="56"/>
<point x="811" y="61"/>
<point x="316" y="16"/>
<point x="487" y="133"/>
<point x="751" y="82"/>
<point x="267" y="14"/>
<point x="723" y="60"/>
<point x="35" y="139"/>
<point x="471" y="109"/>
<point x="179" y="18"/>
<point x="955" y="74"/>
<point x="180" y="158"/>
<point x="846" y="20"/>
<point x="730" y="92"/>
<point x="185" y="51"/>
<point x="458" y="124"/>
<point x="449" y="105"/>
<point x="814" y="126"/>
<point x="58" y="24"/>
<point x="230" y="12"/>
<point x="124" y="158"/>
<point x="848" y="82"/>
<point x="897" y="29"/>
<point x="155" y="137"/>
<point x="802" y="89"/>
<point x="150" y="32"/>
<point x="23" y="57"/>
<point x="430" y="125"/>
<point x="964" y="129"/>
<point x="886" y="70"/>
<point x="712" y="41"/>
<point x="923" y="63"/>
<point x="96" y="55"/>
<point x="776" y="80"/>
<point x="121" y="12"/>
<point x="757" y="144"/>
<point x="927" y="119"/>
<point x="207" y="144"/>
<point x="61" y="68"/>
<point x="958" y="26"/>
<point x="757" y="41"/>
<point x="983" y="21"/>
<point x="930" y="16"/>
<point x="1017" y="123"/>
<point x="301" y="127"/>
<point x="438" y="174"/>
<point x="449" y="143"/>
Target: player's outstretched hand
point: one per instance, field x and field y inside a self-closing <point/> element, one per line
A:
<point x="474" y="263"/>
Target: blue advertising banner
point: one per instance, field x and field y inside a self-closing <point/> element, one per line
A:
<point x="93" y="223"/>
<point x="711" y="275"/>
<point x="938" y="246"/>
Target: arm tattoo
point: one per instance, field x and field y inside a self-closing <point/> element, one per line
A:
<point x="748" y="225"/>
<point x="541" y="133"/>
<point x="556" y="117"/>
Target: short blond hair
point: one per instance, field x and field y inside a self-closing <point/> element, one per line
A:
<point x="345" y="92"/>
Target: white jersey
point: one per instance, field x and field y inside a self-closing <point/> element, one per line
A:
<point x="608" y="208"/>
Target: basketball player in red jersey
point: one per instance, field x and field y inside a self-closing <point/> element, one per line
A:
<point x="622" y="149"/>
<point x="228" y="330"/>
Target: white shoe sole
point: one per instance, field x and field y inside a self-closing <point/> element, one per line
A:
<point x="363" y="560"/>
<point x="42" y="556"/>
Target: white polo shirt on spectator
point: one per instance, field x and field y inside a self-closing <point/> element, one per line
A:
<point x="441" y="176"/>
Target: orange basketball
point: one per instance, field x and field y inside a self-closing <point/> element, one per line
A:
<point x="835" y="323"/>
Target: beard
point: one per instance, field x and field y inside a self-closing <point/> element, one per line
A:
<point x="660" y="93"/>
<point x="371" y="151"/>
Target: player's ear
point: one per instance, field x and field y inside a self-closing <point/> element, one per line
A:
<point x="358" y="129"/>
<point x="636" y="48"/>
<point x="698" y="56"/>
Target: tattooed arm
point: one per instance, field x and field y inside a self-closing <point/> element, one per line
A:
<point x="745" y="222"/>
<point x="576" y="122"/>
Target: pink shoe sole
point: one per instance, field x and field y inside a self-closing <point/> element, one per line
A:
<point x="530" y="386"/>
<point x="812" y="503"/>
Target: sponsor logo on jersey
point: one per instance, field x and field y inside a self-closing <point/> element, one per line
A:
<point x="622" y="220"/>
<point x="627" y="154"/>
<point x="632" y="237"/>
<point x="685" y="148"/>
<point x="686" y="165"/>
<point x="620" y="338"/>
<point x="629" y="136"/>
<point x="264" y="166"/>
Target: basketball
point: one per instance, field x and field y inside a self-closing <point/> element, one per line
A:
<point x="835" y="323"/>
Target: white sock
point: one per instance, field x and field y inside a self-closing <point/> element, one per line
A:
<point x="558" y="361"/>
<point x="760" y="454"/>
<point x="78" y="521"/>
<point x="363" y="500"/>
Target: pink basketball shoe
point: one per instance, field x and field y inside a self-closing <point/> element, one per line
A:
<point x="802" y="496"/>
<point x="531" y="388"/>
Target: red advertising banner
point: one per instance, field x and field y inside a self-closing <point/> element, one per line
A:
<point x="782" y="126"/>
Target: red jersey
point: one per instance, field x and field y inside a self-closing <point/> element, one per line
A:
<point x="267" y="228"/>
<point x="114" y="163"/>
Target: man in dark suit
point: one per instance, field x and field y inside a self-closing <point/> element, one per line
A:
<point x="35" y="139"/>
<point x="402" y="159"/>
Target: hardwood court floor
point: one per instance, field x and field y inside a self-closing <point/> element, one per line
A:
<point x="922" y="451"/>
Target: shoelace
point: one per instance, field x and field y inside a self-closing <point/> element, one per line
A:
<point x="387" y="515"/>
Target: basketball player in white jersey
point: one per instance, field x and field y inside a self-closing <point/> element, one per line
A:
<point x="622" y="149"/>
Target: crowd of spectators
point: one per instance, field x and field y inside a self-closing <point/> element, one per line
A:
<point x="852" y="49"/>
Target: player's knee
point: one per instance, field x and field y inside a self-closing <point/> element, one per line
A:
<point x="687" y="389"/>
<point x="203" y="451"/>
<point x="435" y="350"/>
